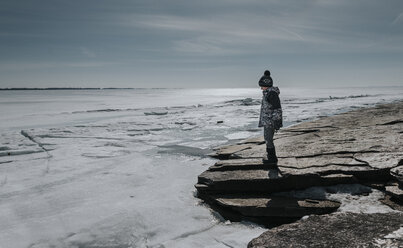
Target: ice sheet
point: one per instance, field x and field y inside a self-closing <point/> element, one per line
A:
<point x="89" y="168"/>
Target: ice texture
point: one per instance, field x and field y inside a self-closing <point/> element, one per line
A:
<point x="82" y="168"/>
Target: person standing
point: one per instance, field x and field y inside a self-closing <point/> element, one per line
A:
<point x="271" y="115"/>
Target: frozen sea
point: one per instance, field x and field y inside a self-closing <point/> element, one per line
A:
<point x="117" y="168"/>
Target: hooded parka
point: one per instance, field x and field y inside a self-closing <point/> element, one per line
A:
<point x="271" y="114"/>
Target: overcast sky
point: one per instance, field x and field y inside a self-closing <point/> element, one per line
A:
<point x="209" y="43"/>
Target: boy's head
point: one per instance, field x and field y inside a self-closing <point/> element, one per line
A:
<point x="266" y="81"/>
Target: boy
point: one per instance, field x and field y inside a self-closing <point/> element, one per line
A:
<point x="271" y="115"/>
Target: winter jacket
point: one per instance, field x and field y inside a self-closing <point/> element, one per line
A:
<point x="271" y="114"/>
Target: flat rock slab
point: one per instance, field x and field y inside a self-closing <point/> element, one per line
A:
<point x="226" y="151"/>
<point x="269" y="206"/>
<point x="336" y="230"/>
<point x="324" y="160"/>
<point x="323" y="165"/>
<point x="362" y="173"/>
<point x="381" y="160"/>
<point x="256" y="140"/>
<point x="239" y="164"/>
<point x="258" y="180"/>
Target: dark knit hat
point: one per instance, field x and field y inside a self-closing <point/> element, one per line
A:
<point x="267" y="73"/>
<point x="266" y="81"/>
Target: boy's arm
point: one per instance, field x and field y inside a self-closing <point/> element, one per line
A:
<point x="274" y="100"/>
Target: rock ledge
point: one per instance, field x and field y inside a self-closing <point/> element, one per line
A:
<point x="364" y="146"/>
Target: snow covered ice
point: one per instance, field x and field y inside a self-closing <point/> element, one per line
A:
<point x="116" y="168"/>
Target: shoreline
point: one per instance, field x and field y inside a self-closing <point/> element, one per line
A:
<point x="361" y="146"/>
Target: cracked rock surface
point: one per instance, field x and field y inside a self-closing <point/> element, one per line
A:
<point x="364" y="146"/>
<point x="336" y="230"/>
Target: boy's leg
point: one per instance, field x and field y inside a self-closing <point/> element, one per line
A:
<point x="268" y="137"/>
<point x="271" y="152"/>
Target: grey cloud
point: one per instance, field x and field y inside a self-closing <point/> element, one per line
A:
<point x="129" y="39"/>
<point x="315" y="24"/>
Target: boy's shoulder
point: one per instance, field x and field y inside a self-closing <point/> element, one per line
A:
<point x="274" y="89"/>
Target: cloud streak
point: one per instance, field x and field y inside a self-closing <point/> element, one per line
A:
<point x="398" y="19"/>
<point x="131" y="38"/>
<point x="219" y="35"/>
<point x="314" y="25"/>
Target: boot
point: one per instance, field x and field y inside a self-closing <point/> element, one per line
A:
<point x="271" y="156"/>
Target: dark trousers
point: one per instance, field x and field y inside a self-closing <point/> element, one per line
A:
<point x="268" y="137"/>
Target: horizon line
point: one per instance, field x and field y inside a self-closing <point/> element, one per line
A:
<point x="133" y="88"/>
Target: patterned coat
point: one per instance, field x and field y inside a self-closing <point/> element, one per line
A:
<point x="271" y="114"/>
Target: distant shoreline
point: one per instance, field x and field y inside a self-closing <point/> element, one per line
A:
<point x="66" y="88"/>
<point x="134" y="88"/>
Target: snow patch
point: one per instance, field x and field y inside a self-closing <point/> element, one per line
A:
<point x="354" y="198"/>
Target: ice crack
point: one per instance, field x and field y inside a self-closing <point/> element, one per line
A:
<point x="25" y="134"/>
